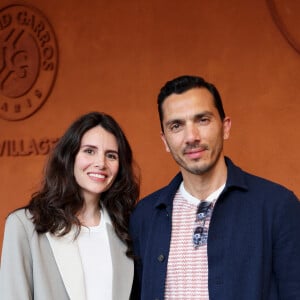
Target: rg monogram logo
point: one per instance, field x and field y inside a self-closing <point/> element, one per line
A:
<point x="28" y="61"/>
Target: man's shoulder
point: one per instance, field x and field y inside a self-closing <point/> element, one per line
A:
<point x="265" y="185"/>
<point x="254" y="182"/>
<point x="163" y="195"/>
<point x="150" y="199"/>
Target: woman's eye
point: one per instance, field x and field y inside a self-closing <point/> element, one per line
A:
<point x="112" y="156"/>
<point x="89" y="151"/>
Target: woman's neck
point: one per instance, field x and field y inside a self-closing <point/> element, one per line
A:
<point x="90" y="215"/>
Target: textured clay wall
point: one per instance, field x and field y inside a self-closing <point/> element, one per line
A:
<point x="113" y="56"/>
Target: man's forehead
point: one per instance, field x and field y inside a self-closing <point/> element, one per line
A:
<point x="189" y="103"/>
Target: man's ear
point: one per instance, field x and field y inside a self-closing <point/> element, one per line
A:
<point x="226" y="128"/>
<point x="163" y="138"/>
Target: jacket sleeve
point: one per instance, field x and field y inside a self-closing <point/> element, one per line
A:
<point x="286" y="248"/>
<point x="16" y="262"/>
<point x="135" y="293"/>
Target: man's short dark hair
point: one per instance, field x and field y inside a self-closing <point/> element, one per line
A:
<point x="184" y="83"/>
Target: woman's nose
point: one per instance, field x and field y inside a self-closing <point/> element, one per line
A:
<point x="100" y="161"/>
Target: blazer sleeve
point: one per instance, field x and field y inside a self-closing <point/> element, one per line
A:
<point x="16" y="280"/>
<point x="286" y="255"/>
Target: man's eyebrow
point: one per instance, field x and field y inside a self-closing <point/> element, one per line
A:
<point x="200" y="115"/>
<point x="204" y="114"/>
<point x="196" y="116"/>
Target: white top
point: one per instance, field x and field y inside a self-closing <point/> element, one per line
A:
<point x="193" y="200"/>
<point x="96" y="260"/>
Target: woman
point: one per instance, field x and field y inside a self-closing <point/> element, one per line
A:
<point x="71" y="241"/>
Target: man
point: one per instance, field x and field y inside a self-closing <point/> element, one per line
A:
<point x="215" y="232"/>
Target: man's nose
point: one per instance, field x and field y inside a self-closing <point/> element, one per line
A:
<point x="192" y="133"/>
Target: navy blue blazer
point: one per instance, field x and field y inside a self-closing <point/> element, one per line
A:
<point x="253" y="242"/>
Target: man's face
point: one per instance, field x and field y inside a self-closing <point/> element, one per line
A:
<point x="194" y="131"/>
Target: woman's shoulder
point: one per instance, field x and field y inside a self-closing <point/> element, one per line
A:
<point x="20" y="217"/>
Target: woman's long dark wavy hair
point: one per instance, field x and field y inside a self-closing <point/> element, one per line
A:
<point x="55" y="206"/>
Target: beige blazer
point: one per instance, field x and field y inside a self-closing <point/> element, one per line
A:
<point x="44" y="267"/>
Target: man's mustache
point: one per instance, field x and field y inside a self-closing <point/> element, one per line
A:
<point x="195" y="146"/>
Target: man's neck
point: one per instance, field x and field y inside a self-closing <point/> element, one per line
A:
<point x="201" y="186"/>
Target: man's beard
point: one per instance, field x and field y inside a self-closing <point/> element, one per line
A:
<point x="197" y="170"/>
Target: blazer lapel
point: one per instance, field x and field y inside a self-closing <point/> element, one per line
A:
<point x="122" y="266"/>
<point x="66" y="254"/>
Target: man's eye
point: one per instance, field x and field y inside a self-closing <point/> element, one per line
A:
<point x="204" y="120"/>
<point x="174" y="126"/>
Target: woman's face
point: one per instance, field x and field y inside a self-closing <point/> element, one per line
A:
<point x="96" y="163"/>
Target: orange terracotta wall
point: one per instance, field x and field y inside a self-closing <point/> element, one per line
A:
<point x="114" y="56"/>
